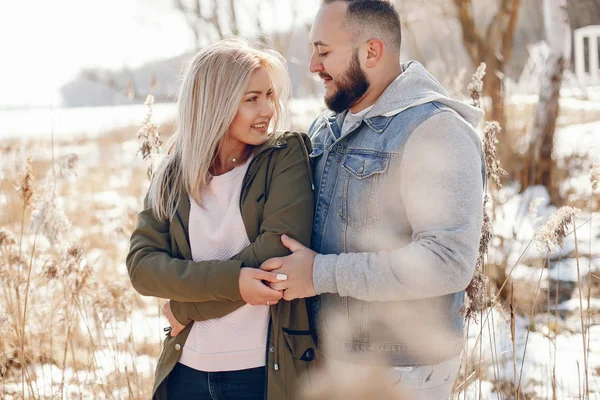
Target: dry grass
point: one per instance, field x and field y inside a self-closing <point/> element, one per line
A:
<point x="67" y="305"/>
<point x="67" y="308"/>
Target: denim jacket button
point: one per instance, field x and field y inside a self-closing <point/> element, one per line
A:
<point x="177" y="347"/>
<point x="361" y="169"/>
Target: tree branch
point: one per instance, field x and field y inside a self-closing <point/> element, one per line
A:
<point x="471" y="38"/>
<point x="234" y="25"/>
<point x="214" y="20"/>
<point x="509" y="32"/>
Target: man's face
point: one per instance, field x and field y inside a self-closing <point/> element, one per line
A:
<point x="334" y="59"/>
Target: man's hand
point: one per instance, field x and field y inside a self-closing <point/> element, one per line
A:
<point x="176" y="327"/>
<point x="298" y="267"/>
<point x="254" y="291"/>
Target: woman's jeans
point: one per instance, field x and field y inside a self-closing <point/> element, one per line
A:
<point x="186" y="383"/>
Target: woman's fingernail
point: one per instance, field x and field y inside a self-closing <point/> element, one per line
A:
<point x="281" y="277"/>
<point x="285" y="236"/>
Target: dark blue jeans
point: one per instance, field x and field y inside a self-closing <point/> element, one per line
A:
<point x="185" y="383"/>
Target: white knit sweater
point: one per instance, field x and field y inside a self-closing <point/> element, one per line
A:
<point x="216" y="229"/>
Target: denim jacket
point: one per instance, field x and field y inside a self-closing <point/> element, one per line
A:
<point x="398" y="217"/>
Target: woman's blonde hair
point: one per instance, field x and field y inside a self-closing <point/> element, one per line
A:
<point x="210" y="94"/>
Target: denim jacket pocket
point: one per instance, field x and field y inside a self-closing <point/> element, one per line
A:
<point x="362" y="200"/>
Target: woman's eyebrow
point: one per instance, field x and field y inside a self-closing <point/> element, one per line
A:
<point x="257" y="91"/>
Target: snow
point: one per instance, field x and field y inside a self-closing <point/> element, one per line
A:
<point x="545" y="351"/>
<point x="573" y="305"/>
<point x="517" y="217"/>
<point x="566" y="270"/>
<point x="84" y="121"/>
<point x="551" y="343"/>
<point x="578" y="139"/>
<point x="92" y="122"/>
<point x="527" y="273"/>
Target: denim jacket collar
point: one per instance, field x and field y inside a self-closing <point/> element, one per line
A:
<point x="377" y="123"/>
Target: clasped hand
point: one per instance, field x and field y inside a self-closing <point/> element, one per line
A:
<point x="278" y="278"/>
<point x="298" y="267"/>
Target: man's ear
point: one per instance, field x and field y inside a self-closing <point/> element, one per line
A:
<point x="375" y="49"/>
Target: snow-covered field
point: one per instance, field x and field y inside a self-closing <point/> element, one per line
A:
<point x="101" y="204"/>
<point x="93" y="121"/>
<point x="554" y="338"/>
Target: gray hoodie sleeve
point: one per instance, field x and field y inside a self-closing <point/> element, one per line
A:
<point x="442" y="189"/>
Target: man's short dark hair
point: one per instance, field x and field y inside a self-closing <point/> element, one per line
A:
<point x="373" y="15"/>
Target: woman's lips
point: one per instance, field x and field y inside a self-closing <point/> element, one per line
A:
<point x="261" y="127"/>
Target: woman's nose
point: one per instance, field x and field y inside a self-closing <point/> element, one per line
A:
<point x="267" y="109"/>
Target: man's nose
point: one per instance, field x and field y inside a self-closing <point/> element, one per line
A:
<point x="315" y="64"/>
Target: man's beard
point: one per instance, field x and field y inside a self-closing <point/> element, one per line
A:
<point x="351" y="87"/>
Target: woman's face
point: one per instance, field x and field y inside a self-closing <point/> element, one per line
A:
<point x="251" y="123"/>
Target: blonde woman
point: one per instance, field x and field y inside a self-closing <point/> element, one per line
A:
<point x="215" y="211"/>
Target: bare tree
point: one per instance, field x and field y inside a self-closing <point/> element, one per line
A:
<point x="232" y="17"/>
<point x="205" y="18"/>
<point x="493" y="45"/>
<point x="540" y="162"/>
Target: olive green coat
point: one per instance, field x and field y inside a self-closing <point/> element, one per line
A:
<point x="277" y="198"/>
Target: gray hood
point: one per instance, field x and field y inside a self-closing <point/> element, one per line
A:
<point x="416" y="86"/>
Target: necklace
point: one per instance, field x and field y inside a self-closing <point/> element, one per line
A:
<point x="245" y="153"/>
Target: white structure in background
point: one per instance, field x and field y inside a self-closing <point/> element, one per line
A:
<point x="592" y="33"/>
<point x="557" y="42"/>
<point x="530" y="79"/>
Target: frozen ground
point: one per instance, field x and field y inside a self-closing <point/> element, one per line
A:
<point x="556" y="352"/>
<point x="559" y="348"/>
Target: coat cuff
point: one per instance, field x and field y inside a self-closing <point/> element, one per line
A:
<point x="324" y="273"/>
<point x="178" y="310"/>
<point x="228" y="280"/>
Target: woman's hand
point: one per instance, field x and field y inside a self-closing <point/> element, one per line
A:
<point x="254" y="291"/>
<point x="176" y="327"/>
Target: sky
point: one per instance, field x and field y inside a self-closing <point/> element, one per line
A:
<point x="44" y="44"/>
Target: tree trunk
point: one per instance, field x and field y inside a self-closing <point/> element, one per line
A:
<point x="540" y="162"/>
<point x="493" y="83"/>
<point x="494" y="47"/>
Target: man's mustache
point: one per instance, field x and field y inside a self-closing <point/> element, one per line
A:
<point x="325" y="76"/>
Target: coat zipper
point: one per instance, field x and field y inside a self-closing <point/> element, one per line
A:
<point x="267" y="358"/>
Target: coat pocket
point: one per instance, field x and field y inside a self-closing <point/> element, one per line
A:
<point x="301" y="344"/>
<point x="300" y="358"/>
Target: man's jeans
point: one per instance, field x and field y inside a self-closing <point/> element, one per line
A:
<point x="187" y="383"/>
<point x="426" y="382"/>
<point x="338" y="380"/>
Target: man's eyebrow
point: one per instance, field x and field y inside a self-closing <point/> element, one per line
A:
<point x="320" y="43"/>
